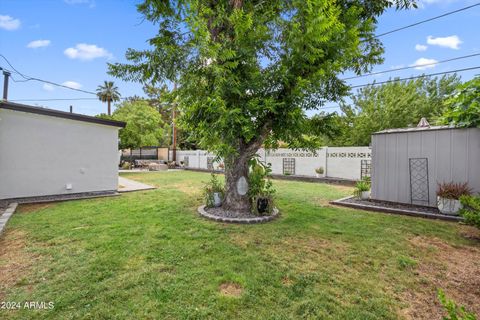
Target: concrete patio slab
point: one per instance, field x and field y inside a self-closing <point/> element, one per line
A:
<point x="127" y="185"/>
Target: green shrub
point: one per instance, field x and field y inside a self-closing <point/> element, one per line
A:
<point x="126" y="165"/>
<point x="211" y="187"/>
<point x="260" y="185"/>
<point x="471" y="210"/>
<point x="360" y="186"/>
<point x="454" y="312"/>
<point x="320" y="170"/>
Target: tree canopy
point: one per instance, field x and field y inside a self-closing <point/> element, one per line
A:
<point x="249" y="70"/>
<point x="463" y="107"/>
<point x="108" y="92"/>
<point x="396" y="104"/>
<point x="144" y="125"/>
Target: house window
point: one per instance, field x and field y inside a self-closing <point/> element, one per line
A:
<point x="289" y="166"/>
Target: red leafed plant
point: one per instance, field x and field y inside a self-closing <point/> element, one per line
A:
<point x="452" y="190"/>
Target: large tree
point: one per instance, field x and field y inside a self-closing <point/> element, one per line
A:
<point x="463" y="106"/>
<point x="108" y="92"/>
<point x="144" y="125"/>
<point x="248" y="70"/>
<point x="395" y="104"/>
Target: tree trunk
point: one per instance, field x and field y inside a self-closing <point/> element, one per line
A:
<point x="236" y="185"/>
<point x="109" y="111"/>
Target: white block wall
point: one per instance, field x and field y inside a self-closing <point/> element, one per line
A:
<point x="338" y="162"/>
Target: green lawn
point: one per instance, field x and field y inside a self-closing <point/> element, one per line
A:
<point x="148" y="255"/>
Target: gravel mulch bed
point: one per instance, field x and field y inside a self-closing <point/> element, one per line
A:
<point x="229" y="214"/>
<point x="395" y="208"/>
<point x="392" y="205"/>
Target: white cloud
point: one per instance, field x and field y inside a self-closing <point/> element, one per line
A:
<point x="424" y="63"/>
<point x="87" y="52"/>
<point x="72" y="84"/>
<point x="397" y="66"/>
<point x="451" y="42"/>
<point x="38" y="44"/>
<point x="9" y="23"/>
<point x="48" y="87"/>
<point x="420" y="47"/>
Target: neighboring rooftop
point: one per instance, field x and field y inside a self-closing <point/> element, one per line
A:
<point x="59" y="114"/>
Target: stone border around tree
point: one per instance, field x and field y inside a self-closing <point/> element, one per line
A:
<point x="262" y="219"/>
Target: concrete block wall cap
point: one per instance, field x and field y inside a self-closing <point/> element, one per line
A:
<point x="205" y="214"/>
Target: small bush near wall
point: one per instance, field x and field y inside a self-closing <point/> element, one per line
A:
<point x="471" y="210"/>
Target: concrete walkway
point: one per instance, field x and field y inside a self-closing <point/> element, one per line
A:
<point x="6" y="214"/>
<point x="127" y="185"/>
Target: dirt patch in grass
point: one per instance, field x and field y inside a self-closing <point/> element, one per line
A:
<point x="454" y="269"/>
<point x="322" y="202"/>
<point x="470" y="233"/>
<point x="187" y="188"/>
<point x="342" y="188"/>
<point x="286" y="281"/>
<point x="230" y="289"/>
<point x="15" y="261"/>
<point x="27" y="208"/>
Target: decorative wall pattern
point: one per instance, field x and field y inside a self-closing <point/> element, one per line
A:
<point x="343" y="162"/>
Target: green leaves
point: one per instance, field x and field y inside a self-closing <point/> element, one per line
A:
<point x="144" y="125"/>
<point x="463" y="107"/>
<point x="397" y="104"/>
<point x="248" y="70"/>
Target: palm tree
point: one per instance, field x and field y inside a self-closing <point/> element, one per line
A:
<point x="108" y="93"/>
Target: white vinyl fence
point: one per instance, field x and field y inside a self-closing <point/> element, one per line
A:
<point x="338" y="162"/>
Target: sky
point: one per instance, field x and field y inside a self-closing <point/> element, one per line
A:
<point x="71" y="41"/>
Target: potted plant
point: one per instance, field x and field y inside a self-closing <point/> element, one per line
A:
<point x="448" y="197"/>
<point x="261" y="189"/>
<point x="319" y="171"/>
<point x="362" y="189"/>
<point x="264" y="200"/>
<point x="213" y="192"/>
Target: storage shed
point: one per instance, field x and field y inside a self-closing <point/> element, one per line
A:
<point x="408" y="164"/>
<point x="46" y="153"/>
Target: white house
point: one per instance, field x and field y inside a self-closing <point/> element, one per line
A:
<point x="45" y="153"/>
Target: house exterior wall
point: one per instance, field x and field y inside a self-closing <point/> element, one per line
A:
<point x="338" y="162"/>
<point x="453" y="155"/>
<point x="40" y="155"/>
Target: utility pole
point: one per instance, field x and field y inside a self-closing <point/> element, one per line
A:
<point x="174" y="142"/>
<point x="6" y="74"/>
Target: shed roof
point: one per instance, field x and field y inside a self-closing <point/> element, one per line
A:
<point x="59" y="114"/>
<point x="415" y="129"/>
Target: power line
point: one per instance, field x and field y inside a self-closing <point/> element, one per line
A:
<point x="28" y="78"/>
<point x="416" y="77"/>
<point x="413" y="66"/>
<point x="53" y="99"/>
<point x="352" y="87"/>
<point x="427" y="20"/>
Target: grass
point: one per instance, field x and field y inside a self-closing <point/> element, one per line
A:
<point x="149" y="255"/>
